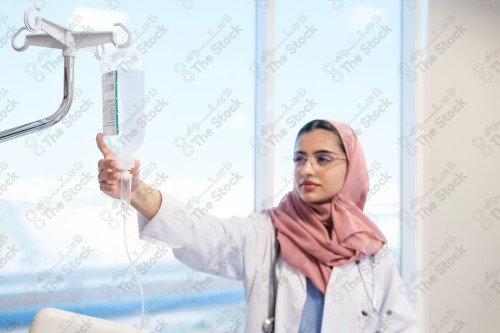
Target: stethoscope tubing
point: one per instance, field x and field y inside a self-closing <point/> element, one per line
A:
<point x="374" y="299"/>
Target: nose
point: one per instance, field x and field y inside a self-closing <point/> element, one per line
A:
<point x="307" y="168"/>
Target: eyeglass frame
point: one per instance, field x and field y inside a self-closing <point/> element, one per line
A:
<point x="317" y="168"/>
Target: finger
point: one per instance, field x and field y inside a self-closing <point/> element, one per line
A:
<point x="107" y="187"/>
<point x="135" y="169"/>
<point x="101" y="144"/>
<point x="110" y="176"/>
<point x="108" y="164"/>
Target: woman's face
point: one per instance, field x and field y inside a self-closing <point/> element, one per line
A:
<point x="320" y="166"/>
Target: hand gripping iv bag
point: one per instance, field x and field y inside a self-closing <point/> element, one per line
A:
<point x="123" y="106"/>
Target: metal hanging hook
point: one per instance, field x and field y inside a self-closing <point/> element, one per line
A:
<point x="13" y="41"/>
<point x="26" y="18"/>
<point x="129" y="38"/>
<point x="99" y="55"/>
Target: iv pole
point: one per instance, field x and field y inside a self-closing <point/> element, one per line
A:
<point x="69" y="42"/>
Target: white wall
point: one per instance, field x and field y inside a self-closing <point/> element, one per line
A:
<point x="457" y="242"/>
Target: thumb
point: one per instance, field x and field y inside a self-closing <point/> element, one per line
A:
<point x="135" y="169"/>
<point x="101" y="144"/>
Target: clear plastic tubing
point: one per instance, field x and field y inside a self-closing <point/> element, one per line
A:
<point x="125" y="193"/>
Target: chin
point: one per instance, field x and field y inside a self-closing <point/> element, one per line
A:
<point x="316" y="197"/>
<point x="311" y="198"/>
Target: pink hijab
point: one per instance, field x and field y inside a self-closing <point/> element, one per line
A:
<point x="305" y="242"/>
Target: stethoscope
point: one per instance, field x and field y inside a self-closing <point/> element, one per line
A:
<point x="268" y="325"/>
<point x="374" y="299"/>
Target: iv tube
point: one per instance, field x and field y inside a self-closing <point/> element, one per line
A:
<point x="125" y="193"/>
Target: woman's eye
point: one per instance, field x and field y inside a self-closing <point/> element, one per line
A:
<point x="324" y="159"/>
<point x="298" y="159"/>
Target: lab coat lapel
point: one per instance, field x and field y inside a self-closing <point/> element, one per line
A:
<point x="291" y="298"/>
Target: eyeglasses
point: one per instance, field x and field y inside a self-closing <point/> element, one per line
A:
<point x="322" y="160"/>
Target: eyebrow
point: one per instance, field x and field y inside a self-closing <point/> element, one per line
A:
<point x="317" y="151"/>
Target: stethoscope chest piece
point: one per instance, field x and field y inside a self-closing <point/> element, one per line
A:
<point x="268" y="325"/>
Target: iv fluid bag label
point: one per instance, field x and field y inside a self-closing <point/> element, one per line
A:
<point x="110" y="103"/>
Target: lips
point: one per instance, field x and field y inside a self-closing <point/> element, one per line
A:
<point x="309" y="185"/>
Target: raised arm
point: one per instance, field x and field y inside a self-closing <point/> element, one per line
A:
<point x="231" y="247"/>
<point x="227" y="247"/>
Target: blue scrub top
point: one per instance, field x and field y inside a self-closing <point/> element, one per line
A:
<point x="312" y="314"/>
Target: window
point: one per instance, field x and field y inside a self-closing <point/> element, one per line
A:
<point x="339" y="61"/>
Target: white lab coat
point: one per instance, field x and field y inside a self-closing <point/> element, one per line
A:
<point x="244" y="249"/>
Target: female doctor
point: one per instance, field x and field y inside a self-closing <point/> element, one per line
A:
<point x="315" y="263"/>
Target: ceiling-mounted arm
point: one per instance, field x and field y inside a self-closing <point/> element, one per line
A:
<point x="54" y="118"/>
<point x="69" y="42"/>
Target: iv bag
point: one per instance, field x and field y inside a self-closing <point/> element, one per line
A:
<point x="123" y="105"/>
